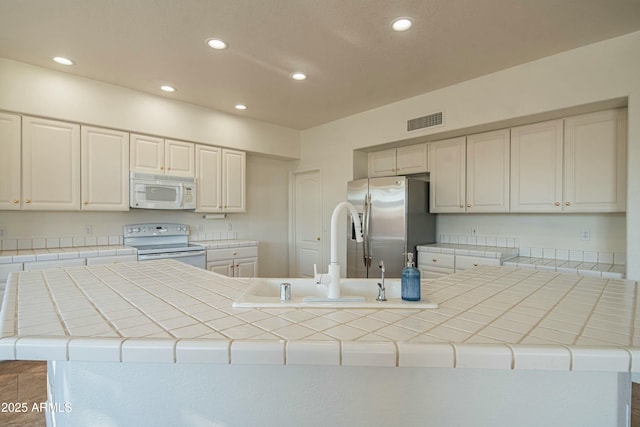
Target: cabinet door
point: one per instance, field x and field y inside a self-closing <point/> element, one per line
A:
<point x="50" y="165"/>
<point x="488" y="172"/>
<point x="447" y="164"/>
<point x="147" y="154"/>
<point x="595" y="162"/>
<point x="246" y="267"/>
<point x="536" y="167"/>
<point x="208" y="179"/>
<point x="9" y="161"/>
<point x="382" y="163"/>
<point x="221" y="267"/>
<point x="233" y="180"/>
<point x="105" y="169"/>
<point x="411" y="159"/>
<point x="179" y="158"/>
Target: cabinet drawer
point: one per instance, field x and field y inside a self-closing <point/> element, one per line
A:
<point x="232" y="253"/>
<point x="427" y="259"/>
<point x="463" y="262"/>
<point x="430" y="274"/>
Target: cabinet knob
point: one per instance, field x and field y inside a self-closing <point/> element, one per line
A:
<point x="318" y="238"/>
<point x="434" y="260"/>
<point x="86" y="203"/>
<point x="468" y="205"/>
<point x="16" y="201"/>
<point x="168" y="169"/>
<point x="557" y="203"/>
<point x="161" y="167"/>
<point x="27" y="201"/>
<point x="567" y="203"/>
<point x="475" y="264"/>
<point x="235" y="253"/>
<point x="462" y="206"/>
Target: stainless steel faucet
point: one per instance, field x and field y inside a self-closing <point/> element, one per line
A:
<point x="381" y="289"/>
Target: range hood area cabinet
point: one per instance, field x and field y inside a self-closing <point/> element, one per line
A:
<point x="398" y="161"/>
<point x="470" y="174"/>
<point x="54" y="165"/>
<point x="575" y="164"/>
<point x="159" y="156"/>
<point x="220" y="179"/>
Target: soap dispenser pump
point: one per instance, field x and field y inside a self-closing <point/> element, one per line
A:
<point x="410" y="282"/>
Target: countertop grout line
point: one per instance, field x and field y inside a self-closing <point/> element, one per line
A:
<point x="593" y="308"/>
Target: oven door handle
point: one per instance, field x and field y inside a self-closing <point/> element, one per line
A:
<point x="171" y="255"/>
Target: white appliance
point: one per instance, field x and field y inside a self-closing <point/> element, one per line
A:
<point x="165" y="241"/>
<point x="148" y="191"/>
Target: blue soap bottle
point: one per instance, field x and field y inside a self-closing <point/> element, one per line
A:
<point x="410" y="282"/>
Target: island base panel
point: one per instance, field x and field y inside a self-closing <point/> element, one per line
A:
<point x="113" y="394"/>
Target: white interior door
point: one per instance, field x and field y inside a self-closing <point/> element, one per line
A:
<point x="307" y="223"/>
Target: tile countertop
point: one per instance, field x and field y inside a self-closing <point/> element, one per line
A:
<point x="165" y="311"/>
<point x="471" y="250"/>
<point x="596" y="269"/>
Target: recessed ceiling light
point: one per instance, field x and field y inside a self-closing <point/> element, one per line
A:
<point x="216" y="44"/>
<point x="62" y="60"/>
<point x="241" y="107"/>
<point x="298" y="76"/>
<point x="168" y="88"/>
<point x="402" y="24"/>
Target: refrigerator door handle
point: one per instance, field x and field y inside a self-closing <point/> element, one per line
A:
<point x="364" y="231"/>
<point x="367" y="238"/>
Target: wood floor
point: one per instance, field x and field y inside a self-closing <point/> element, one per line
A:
<point x="26" y="382"/>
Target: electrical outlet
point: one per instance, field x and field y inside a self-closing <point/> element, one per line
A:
<point x="3" y="230"/>
<point x="585" y="234"/>
<point x="474" y="230"/>
<point x="88" y="230"/>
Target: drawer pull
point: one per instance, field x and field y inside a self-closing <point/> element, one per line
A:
<point x="475" y="264"/>
<point x="434" y="260"/>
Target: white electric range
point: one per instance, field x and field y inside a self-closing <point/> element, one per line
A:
<point x="165" y="240"/>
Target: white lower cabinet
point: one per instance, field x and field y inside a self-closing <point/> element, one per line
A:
<point x="435" y="265"/>
<point x="234" y="262"/>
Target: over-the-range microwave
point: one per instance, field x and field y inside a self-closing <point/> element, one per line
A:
<point x="148" y="191"/>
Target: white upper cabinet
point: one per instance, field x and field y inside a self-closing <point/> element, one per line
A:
<point x="595" y="162"/>
<point x="447" y="167"/>
<point x="488" y="172"/>
<point x="179" y="158"/>
<point x="50" y="165"/>
<point x="470" y="174"/>
<point x="536" y="167"/>
<point x="221" y="179"/>
<point x="208" y="178"/>
<point x="105" y="169"/>
<point x="398" y="161"/>
<point x="158" y="156"/>
<point x="9" y="161"/>
<point x="573" y="165"/>
<point x="147" y="154"/>
<point x="234" y="165"/>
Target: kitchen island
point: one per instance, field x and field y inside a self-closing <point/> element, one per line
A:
<point x="158" y="343"/>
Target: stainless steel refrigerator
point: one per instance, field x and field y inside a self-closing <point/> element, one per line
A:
<point x="395" y="216"/>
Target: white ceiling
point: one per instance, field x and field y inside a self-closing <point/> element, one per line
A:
<point x="353" y="59"/>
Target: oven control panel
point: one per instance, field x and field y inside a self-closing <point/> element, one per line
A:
<point x="156" y="229"/>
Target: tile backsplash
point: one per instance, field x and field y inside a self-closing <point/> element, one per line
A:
<point x="71" y="242"/>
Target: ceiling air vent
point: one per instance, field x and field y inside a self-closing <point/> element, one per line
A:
<point x="428" y="121"/>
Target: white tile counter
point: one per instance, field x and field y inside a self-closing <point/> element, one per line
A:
<point x="165" y="311"/>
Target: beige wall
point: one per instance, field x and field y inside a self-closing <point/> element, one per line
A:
<point x="592" y="74"/>
<point x="41" y="92"/>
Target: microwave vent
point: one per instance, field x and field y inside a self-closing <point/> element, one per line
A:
<point x="427" y="121"/>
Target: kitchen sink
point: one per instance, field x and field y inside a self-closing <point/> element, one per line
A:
<point x="355" y="293"/>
